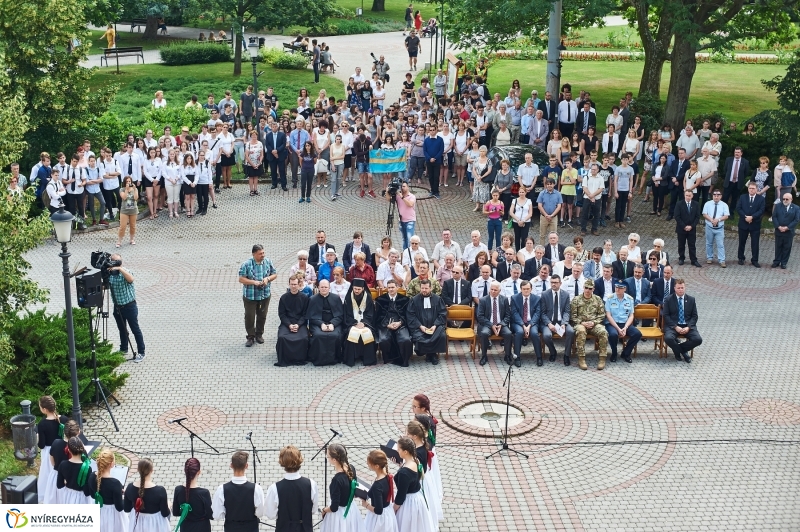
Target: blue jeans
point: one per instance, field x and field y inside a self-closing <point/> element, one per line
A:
<point x="715" y="236"/>
<point x="407" y="230"/>
<point x="129" y="314"/>
<point x="495" y="228"/>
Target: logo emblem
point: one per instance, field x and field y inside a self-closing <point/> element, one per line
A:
<point x="16" y="518"/>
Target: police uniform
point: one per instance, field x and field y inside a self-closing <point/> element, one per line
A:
<point x="592" y="309"/>
<point x="620" y="311"/>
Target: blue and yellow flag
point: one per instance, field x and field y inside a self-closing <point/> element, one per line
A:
<point x="387" y="161"/>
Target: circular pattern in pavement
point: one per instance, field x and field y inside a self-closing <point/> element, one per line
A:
<point x="201" y="419"/>
<point x="772" y="411"/>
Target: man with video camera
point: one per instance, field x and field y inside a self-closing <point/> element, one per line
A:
<point x="381" y="67"/>
<point x="399" y="192"/>
<point x="123" y="294"/>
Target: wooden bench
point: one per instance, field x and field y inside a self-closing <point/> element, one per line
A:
<point x="138" y="23"/>
<point x="129" y="51"/>
<point x="298" y="50"/>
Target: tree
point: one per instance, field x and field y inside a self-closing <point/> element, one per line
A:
<point x="655" y="27"/>
<point x="475" y="24"/>
<point x="782" y="126"/>
<point x="378" y="5"/>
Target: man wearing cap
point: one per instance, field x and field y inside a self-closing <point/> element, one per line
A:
<point x="325" y="270"/>
<point x="586" y="314"/>
<point x="619" y="314"/>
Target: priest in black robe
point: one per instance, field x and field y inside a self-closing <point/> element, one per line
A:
<point x="325" y="319"/>
<point x="391" y="322"/>
<point x="359" y="335"/>
<point x="427" y="316"/>
<point x="292" y="344"/>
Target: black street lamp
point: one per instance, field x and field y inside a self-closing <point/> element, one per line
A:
<point x="62" y="223"/>
<point x="253" y="49"/>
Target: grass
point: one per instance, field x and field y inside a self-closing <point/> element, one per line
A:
<point x="139" y="82"/>
<point x="736" y="101"/>
<point x="126" y="38"/>
<point x="395" y="9"/>
<point x="9" y="465"/>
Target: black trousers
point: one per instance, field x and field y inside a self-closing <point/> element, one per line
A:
<point x="276" y="166"/>
<point x="675" y="193"/>
<point x="112" y="200"/>
<point x="692" y="340"/>
<point x="783" y="247"/>
<point x="433" y="176"/>
<point x="621" y="206"/>
<point x="593" y="209"/>
<point x="217" y="176"/>
<point x="396" y="346"/>
<point x="76" y="205"/>
<point x="754" y="235"/>
<point x="691" y="238"/>
<point x="202" y="198"/>
<point x="732" y="192"/>
<point x="658" y="198"/>
<point x="485" y="332"/>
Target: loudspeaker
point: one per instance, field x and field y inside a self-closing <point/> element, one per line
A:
<point x="20" y="490"/>
<point x="89" y="289"/>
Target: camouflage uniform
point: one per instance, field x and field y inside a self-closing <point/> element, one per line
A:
<point x="413" y="286"/>
<point x="592" y="309"/>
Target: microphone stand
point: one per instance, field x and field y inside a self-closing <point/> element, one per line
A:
<point x="255" y="457"/>
<point x="325" y="448"/>
<point x="192" y="436"/>
<point x="505" y="446"/>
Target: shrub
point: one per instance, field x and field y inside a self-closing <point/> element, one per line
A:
<point x="651" y="110"/>
<point x="353" y="27"/>
<point x="269" y="54"/>
<point x="288" y="61"/>
<point x="194" y="53"/>
<point x="40" y="356"/>
<point x="386" y="25"/>
<point x="176" y="117"/>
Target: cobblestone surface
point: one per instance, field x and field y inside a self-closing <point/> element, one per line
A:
<point x="622" y="449"/>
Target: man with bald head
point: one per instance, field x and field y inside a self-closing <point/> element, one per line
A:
<point x="494" y="318"/>
<point x="785" y="218"/>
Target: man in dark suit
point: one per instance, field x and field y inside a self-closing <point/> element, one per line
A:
<point x="737" y="170"/>
<point x="316" y="253"/>
<point x="556" y="311"/>
<point x="534" y="264"/>
<point x="494" y="317"/>
<point x="750" y="208"/>
<point x="503" y="270"/>
<point x="553" y="250"/>
<point x="785" y="218"/>
<point x="549" y="109"/>
<point x="663" y="287"/>
<point x="586" y="118"/>
<point x="680" y="319"/>
<point x="687" y="214"/>
<point x="275" y="146"/>
<point x="622" y="268"/>
<point x="638" y="287"/>
<point x="525" y="316"/>
<point x="457" y="291"/>
<point x="604" y="287"/>
<point x="675" y="187"/>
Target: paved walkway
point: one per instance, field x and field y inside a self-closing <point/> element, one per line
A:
<point x="651" y="445"/>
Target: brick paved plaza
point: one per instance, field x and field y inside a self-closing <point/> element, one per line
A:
<point x="602" y="445"/>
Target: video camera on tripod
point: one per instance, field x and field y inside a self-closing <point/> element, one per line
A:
<point x="393" y="188"/>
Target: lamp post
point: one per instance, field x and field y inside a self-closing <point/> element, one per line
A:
<point x="253" y="49"/>
<point x="62" y="223"/>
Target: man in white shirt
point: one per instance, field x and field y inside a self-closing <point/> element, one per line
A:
<point x="482" y="285"/>
<point x="407" y="257"/>
<point x="707" y="166"/>
<point x="715" y="213"/>
<point x="511" y="286"/>
<point x="541" y="283"/>
<point x="390" y="269"/>
<point x="689" y="142"/>
<point x="292" y="509"/>
<point x="74" y="179"/>
<point x="131" y="164"/>
<point x="444" y="247"/>
<point x="592" y="194"/>
<point x="239" y="500"/>
<point x="567" y="113"/>
<point x="472" y="249"/>
<point x="714" y="146"/>
<point x="528" y="172"/>
<point x="358" y="77"/>
<point x="573" y="284"/>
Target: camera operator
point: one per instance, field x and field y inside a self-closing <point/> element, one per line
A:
<point x="406" y="202"/>
<point x="381" y="67"/>
<point x="123" y="294"/>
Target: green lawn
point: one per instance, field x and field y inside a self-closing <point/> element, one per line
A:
<point x="608" y="80"/>
<point x="126" y="38"/>
<point x="9" y="465"/>
<point x="138" y="83"/>
<point x="395" y="9"/>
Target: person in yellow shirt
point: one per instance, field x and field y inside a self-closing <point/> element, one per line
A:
<point x="566" y="185"/>
<point x="110" y="35"/>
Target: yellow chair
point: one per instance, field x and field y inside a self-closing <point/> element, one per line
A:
<point x="654" y="332"/>
<point x="374" y="293"/>
<point x="461" y="313"/>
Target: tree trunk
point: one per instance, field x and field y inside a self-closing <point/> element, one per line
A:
<point x="654" y="58"/>
<point x="684" y="65"/>
<point x="378" y="5"/>
<point x="151" y="30"/>
<point x="237" y="52"/>
<point x="655" y="45"/>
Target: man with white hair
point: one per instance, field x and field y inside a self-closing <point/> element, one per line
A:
<point x="445" y="273"/>
<point x="494" y="318"/>
<point x="472" y="249"/>
<point x="390" y="270"/>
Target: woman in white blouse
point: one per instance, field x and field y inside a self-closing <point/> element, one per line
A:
<point x="339" y="286"/>
<point x="111" y="173"/>
<point x="528" y="252"/>
<point x="159" y="100"/>
<point x="189" y="183"/>
<point x="151" y="172"/>
<point x="631" y="144"/>
<point x="634" y="252"/>
<point x="521" y="212"/>
<point x="693" y="178"/>
<point x="204" y="179"/>
<point x="171" y="173"/>
<point x="608" y="256"/>
<point x="615" y="118"/>
<point x="227" y="159"/>
<point x="610" y="142"/>
<point x="563" y="268"/>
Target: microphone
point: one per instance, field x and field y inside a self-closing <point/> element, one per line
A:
<point x="178" y="420"/>
<point x="249" y="434"/>
<point x="340" y="434"/>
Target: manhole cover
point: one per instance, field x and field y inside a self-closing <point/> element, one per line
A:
<point x="490" y="415"/>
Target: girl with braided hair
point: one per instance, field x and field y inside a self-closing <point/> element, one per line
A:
<point x="146" y="503"/>
<point x="58" y="454"/>
<point x="73" y="475"/>
<point x="433" y="474"/>
<point x="409" y="500"/>
<point x="107" y="492"/>
<point x="341" y="515"/>
<point x="196" y="516"/>
<point x="416" y="431"/>
<point x="380" y="514"/>
<point x="50" y="428"/>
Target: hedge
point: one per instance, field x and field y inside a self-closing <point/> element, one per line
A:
<point x="283" y="60"/>
<point x="195" y="53"/>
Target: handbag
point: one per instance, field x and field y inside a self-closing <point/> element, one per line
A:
<point x="322" y="166"/>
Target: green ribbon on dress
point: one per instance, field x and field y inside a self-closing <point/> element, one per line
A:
<point x="185" y="509"/>
<point x="61" y="430"/>
<point x="353" y="486"/>
<point x="86" y="468"/>
<point x="420" y="472"/>
<point x="98" y="499"/>
<point x="431" y="437"/>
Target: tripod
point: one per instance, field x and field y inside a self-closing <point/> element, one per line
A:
<point x="390" y="216"/>
<point x="325" y="448"/>
<point x="192" y="436"/>
<point x="505" y="446"/>
<point x="249" y="438"/>
<point x="99" y="389"/>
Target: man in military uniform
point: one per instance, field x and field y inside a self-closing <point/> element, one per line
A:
<point x="586" y="314"/>
<point x="423" y="273"/>
<point x="619" y="314"/>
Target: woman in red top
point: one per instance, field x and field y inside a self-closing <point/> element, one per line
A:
<point x="362" y="270"/>
<point x="417" y="21"/>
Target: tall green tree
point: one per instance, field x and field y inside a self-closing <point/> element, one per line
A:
<point x="782" y="126"/>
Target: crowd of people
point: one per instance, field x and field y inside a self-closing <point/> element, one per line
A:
<point x="410" y="500"/>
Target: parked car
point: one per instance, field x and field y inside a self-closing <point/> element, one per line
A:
<point x="515" y="154"/>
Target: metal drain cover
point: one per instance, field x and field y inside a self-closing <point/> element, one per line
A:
<point x="490" y="415"/>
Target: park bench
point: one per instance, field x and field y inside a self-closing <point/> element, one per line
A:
<point x="129" y="51"/>
<point x="298" y="50"/>
<point x="138" y="23"/>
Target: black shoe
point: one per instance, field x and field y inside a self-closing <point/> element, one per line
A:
<point x="273" y="187"/>
<point x="552" y="358"/>
<point x="285" y="189"/>
<point x="484" y="360"/>
<point x="627" y="359"/>
<point x="741" y="262"/>
<point x="783" y="266"/>
<point x="669" y="218"/>
<point x="524" y="341"/>
<point x="507" y="360"/>
<point x="250" y="342"/>
<point x="539" y="361"/>
<point x="757" y="265"/>
<point x="697" y="264"/>
<point x="681" y="262"/>
<point x="566" y="361"/>
<point x="775" y="264"/>
<point x="216" y="190"/>
<point x="518" y="362"/>
<point x="260" y="339"/>
<point x="613" y="357"/>
<point x="687" y="358"/>
<point x="435" y="359"/>
<point x="294" y="185"/>
<point x="678" y="357"/>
